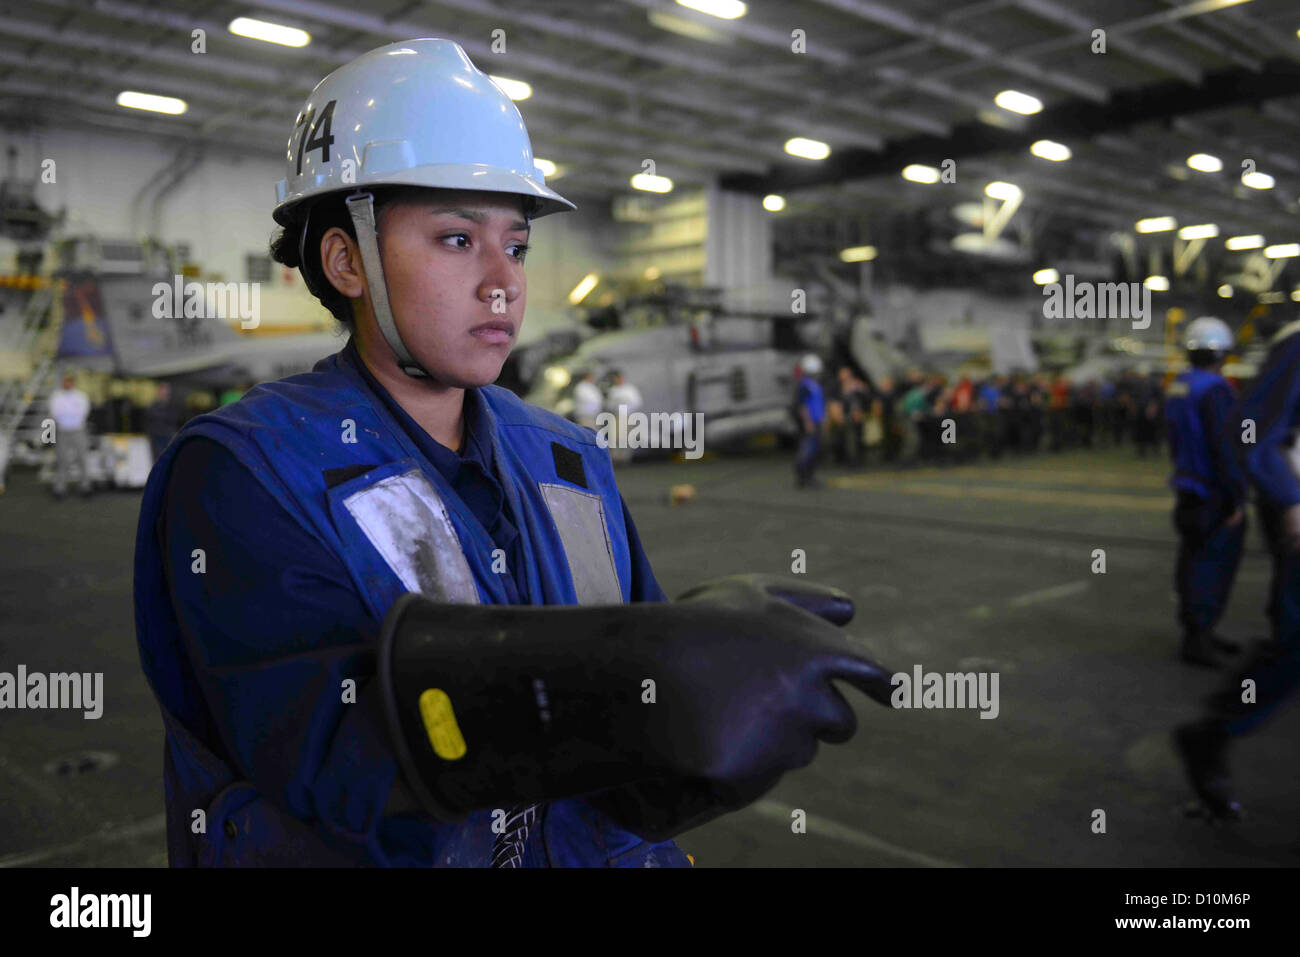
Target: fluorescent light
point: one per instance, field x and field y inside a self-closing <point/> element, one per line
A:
<point x="154" y="104"/>
<point x="546" y="166"/>
<point x="1004" y="191"/>
<point x="269" y="32"/>
<point x="1257" y="181"/>
<point x="580" y="291"/>
<point x="1205" y="162"/>
<point x="1244" y="242"/>
<point x="1156" y="283"/>
<point x="773" y="203"/>
<point x="1156" y="224"/>
<point x="1204" y="231"/>
<point x="1045" y="277"/>
<point x="1051" y="150"/>
<point x="921" y="174"/>
<point x="1225" y="291"/>
<point x="1018" y="102"/>
<point x="1282" y="251"/>
<point x="515" y="89"/>
<point x="722" y="9"/>
<point x="685" y="27"/>
<point x="858" y="254"/>
<point x="808" y="149"/>
<point x="651" y="183"/>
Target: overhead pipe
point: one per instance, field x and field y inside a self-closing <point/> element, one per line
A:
<point x="153" y="183"/>
<point x="186" y="164"/>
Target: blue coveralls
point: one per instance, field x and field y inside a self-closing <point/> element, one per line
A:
<point x="990" y="418"/>
<point x="1210" y="487"/>
<point x="812" y="400"/>
<point x="1273" y="403"/>
<point x="302" y="513"/>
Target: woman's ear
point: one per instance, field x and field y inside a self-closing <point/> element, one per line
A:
<point x="340" y="261"/>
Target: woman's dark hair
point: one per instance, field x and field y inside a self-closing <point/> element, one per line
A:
<point x="321" y="216"/>
<point x="290" y="248"/>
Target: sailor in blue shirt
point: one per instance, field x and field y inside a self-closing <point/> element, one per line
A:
<point x="811" y="411"/>
<point x="269" y="588"/>
<point x="395" y="616"/>
<point x="1210" y="512"/>
<point x="1272" y="462"/>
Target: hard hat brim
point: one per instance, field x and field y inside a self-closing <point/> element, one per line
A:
<point x="448" y="176"/>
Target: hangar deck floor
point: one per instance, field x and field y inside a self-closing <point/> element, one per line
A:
<point x="980" y="568"/>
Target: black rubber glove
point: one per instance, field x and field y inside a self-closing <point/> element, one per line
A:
<point x="662" y="808"/>
<point x="494" y="706"/>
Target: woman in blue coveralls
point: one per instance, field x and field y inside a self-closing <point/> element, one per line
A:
<point x="347" y="582"/>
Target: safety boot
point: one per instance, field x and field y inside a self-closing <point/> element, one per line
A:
<point x="1203" y="748"/>
<point x="1225" y="645"/>
<point x="1198" y="649"/>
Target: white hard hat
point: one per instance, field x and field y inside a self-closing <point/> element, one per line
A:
<point x="810" y="365"/>
<point x="1209" y="334"/>
<point x="415" y="113"/>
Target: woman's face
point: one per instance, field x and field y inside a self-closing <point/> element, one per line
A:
<point x="454" y="265"/>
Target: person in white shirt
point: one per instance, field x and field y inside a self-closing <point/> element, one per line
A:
<point x="625" y="393"/>
<point x="622" y="393"/>
<point x="70" y="407"/>
<point x="587" y="401"/>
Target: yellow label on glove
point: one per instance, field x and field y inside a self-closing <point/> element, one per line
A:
<point x="440" y="724"/>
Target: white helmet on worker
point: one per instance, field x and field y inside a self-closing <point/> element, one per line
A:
<point x="414" y="113"/>
<point x="1208" y="334"/>
<point x="810" y="365"/>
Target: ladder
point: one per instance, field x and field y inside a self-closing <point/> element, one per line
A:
<point x="23" y="337"/>
<point x="21" y="401"/>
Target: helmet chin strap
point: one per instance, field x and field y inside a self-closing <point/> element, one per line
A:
<point x="361" y="207"/>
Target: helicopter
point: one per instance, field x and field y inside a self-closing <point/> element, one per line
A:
<point x="689" y="355"/>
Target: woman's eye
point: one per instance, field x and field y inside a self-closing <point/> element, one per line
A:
<point x="520" y="249"/>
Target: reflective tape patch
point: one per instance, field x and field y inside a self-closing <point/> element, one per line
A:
<point x="404" y="518"/>
<point x="580" y="518"/>
<point x="440" y="725"/>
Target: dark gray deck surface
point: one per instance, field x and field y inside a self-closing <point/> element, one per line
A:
<point x="987" y="567"/>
